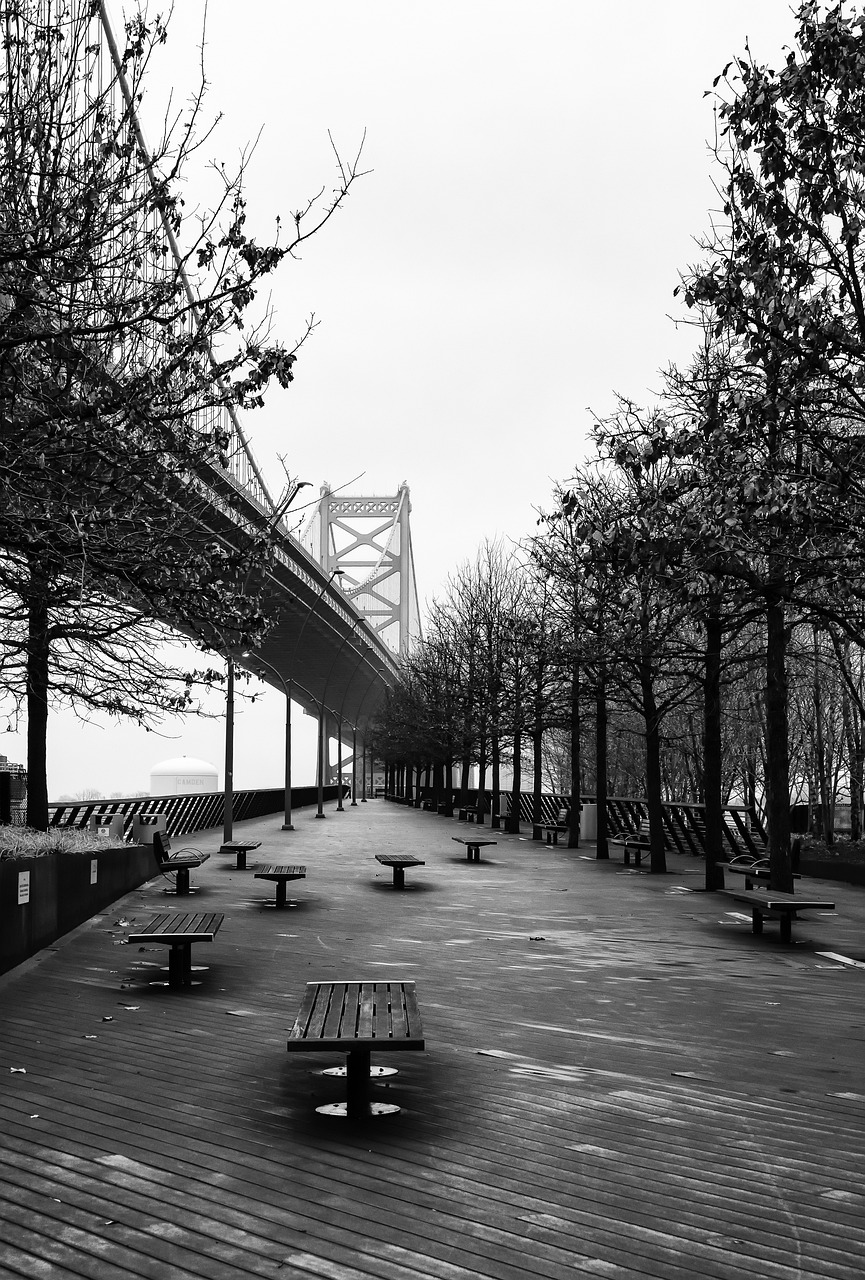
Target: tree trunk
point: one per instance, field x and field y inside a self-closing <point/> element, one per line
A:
<point x="574" y="810"/>
<point x="712" y="751"/>
<point x="481" y="807"/>
<point x="777" y="750"/>
<point x="826" y="821"/>
<point x="513" y="824"/>
<point x="658" y="857"/>
<point x="603" y="850"/>
<point x="37" y="704"/>
<point x="496" y="807"/>
<point x="537" y="802"/>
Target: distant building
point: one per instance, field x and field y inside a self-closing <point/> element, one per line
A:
<point x="183" y="776"/>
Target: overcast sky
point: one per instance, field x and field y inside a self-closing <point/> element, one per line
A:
<point x="540" y="172"/>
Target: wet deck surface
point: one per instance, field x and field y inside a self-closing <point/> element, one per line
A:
<point x="619" y="1080"/>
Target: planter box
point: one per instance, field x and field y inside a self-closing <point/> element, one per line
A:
<point x="43" y="898"/>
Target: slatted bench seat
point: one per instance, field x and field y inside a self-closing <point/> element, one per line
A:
<point x="356" y="1018"/>
<point x="179" y="930"/>
<point x="241" y="848"/>
<point x="469" y="814"/>
<point x="473" y="847"/>
<point x="280" y="875"/>
<point x="753" y="870"/>
<point x="561" y="827"/>
<point x="772" y="905"/>
<point x="399" y="862"/>
<point x="177" y="864"/>
<point x="633" y="842"/>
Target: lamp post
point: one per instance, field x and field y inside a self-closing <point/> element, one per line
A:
<point x="286" y="688"/>
<point x="321" y="738"/>
<point x="287" y="824"/>
<point x="228" y="791"/>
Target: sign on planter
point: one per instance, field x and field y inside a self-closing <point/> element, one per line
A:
<point x="23" y="887"/>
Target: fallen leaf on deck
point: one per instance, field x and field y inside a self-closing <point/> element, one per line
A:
<point x="21" y="1071"/>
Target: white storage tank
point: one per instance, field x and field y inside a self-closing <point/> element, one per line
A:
<point x="183" y="776"/>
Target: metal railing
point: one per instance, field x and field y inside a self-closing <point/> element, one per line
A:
<point x="184" y="814"/>
<point x="684" y="822"/>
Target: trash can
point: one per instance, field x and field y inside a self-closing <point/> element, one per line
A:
<point x="589" y="822"/>
<point x="144" y="825"/>
<point x="106" y="826"/>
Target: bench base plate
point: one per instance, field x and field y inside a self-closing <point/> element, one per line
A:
<point x="375" y="1073"/>
<point x="373" y="1109"/>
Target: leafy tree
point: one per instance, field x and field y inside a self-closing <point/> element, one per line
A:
<point x="123" y="358"/>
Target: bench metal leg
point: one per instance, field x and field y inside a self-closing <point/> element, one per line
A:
<point x="241" y="859"/>
<point x="474" y="852"/>
<point x="280" y="893"/>
<point x="180" y="964"/>
<point x="756" y="921"/>
<point x="357" y="1083"/>
<point x="181" y="884"/>
<point x="399" y="877"/>
<point x="787" y="927"/>
<point x="357" y="1105"/>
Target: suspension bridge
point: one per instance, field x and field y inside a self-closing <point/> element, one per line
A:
<point x="343" y="592"/>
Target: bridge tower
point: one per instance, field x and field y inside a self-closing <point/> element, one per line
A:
<point x="369" y="540"/>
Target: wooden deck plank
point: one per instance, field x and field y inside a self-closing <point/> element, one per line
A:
<point x="575" y="1151"/>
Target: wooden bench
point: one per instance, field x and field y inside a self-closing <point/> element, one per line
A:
<point x="561" y="827"/>
<point x="356" y="1018"/>
<point x="633" y="842"/>
<point x="399" y="862"/>
<point x="179" y="930"/>
<point x="280" y="875"/>
<point x="473" y="847"/>
<point x="752" y="869"/>
<point x="241" y="848"/>
<point x="178" y="864"/>
<point x="772" y="905"/>
<point x="470" y="814"/>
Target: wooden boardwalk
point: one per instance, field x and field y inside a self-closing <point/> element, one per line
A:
<point x="619" y="1080"/>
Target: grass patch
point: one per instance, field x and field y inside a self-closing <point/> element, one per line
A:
<point x="24" y="842"/>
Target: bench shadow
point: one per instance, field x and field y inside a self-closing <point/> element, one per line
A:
<point x="411" y="886"/>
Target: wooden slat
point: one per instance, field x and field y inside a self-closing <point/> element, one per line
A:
<point x="365" y="1015"/>
<point x="276" y="871"/>
<point x="332" y="1028"/>
<point x="770" y="898"/>
<point x="366" y="998"/>
<point x="179" y="926"/>
<point x="396" y="860"/>
<point x="382" y="1023"/>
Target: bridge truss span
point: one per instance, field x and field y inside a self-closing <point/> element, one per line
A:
<point x="367" y="540"/>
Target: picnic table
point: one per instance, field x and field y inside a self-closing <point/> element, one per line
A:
<point x="356" y="1018"/>
<point x="280" y="875"/>
<point x="179" y="930"/>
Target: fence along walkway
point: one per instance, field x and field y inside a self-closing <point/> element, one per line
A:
<point x="684" y="822"/>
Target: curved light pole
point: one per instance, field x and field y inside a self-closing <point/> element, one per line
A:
<point x="287" y="686"/>
<point x="320" y="813"/>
